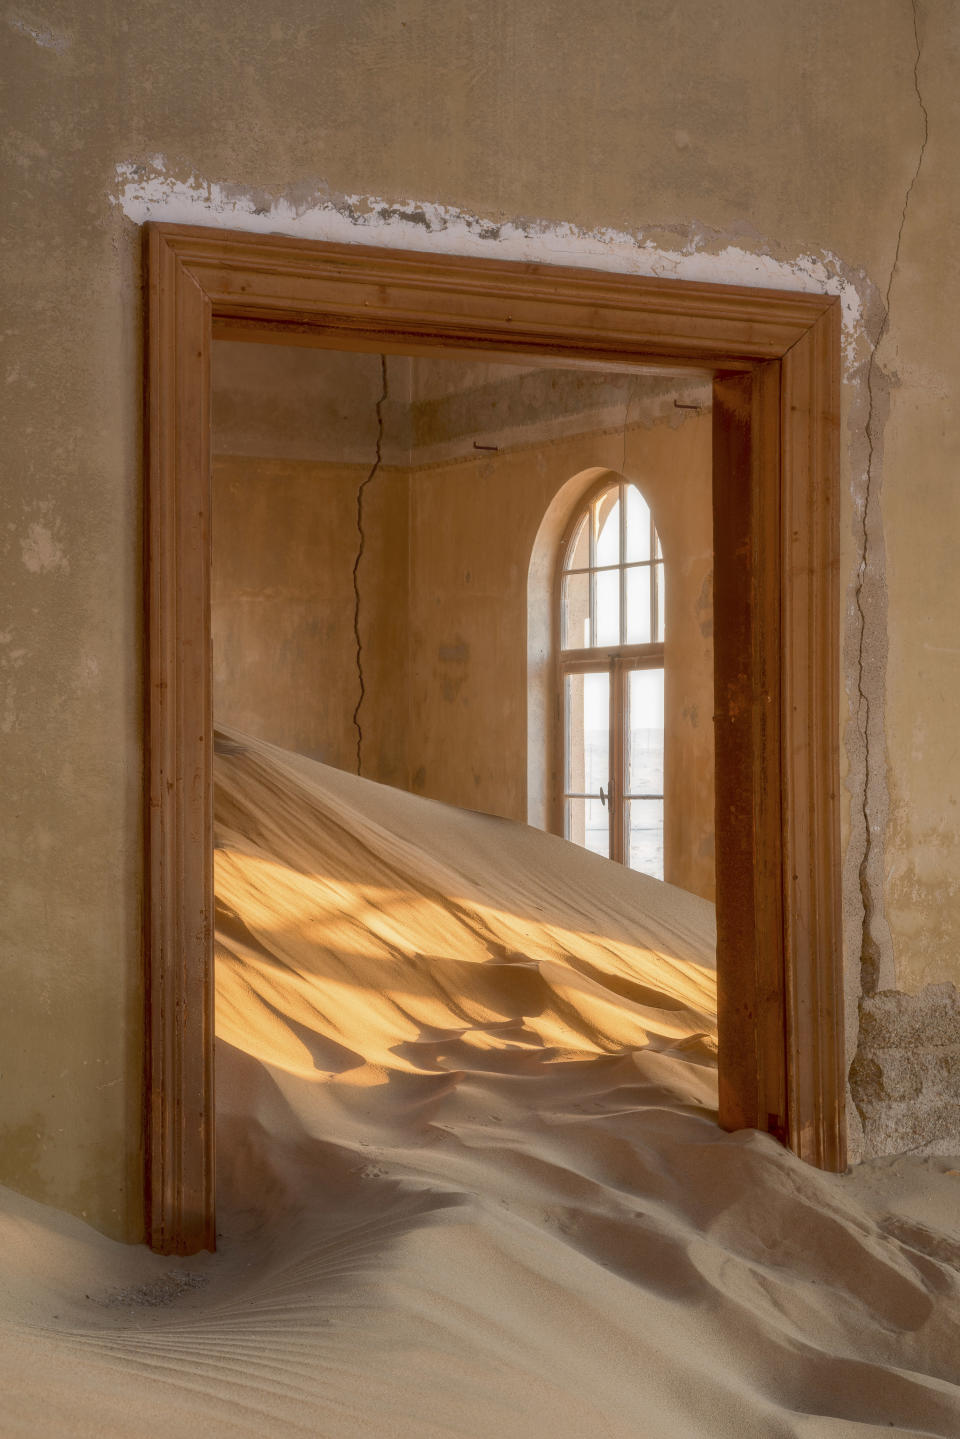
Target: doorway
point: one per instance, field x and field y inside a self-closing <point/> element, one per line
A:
<point x="774" y="358"/>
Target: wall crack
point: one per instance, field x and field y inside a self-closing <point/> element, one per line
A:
<point x="361" y="547"/>
<point x="869" y="947"/>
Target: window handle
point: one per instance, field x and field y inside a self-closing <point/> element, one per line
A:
<point x="608" y="797"/>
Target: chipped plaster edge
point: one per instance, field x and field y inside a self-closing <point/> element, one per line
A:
<point x="147" y="190"/>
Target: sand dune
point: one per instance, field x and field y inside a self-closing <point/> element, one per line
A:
<point x="471" y="1183"/>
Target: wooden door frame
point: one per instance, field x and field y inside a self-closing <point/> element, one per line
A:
<point x="774" y="356"/>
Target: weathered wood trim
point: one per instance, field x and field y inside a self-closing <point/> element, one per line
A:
<point x="180" y="1129"/>
<point x="776" y="499"/>
<point x="813" y="959"/>
<point x="747" y="674"/>
<point x="352" y="294"/>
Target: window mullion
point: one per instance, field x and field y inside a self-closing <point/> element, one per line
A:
<point x="654" y="604"/>
<point x="592" y="553"/>
<point x="617" y="776"/>
<point x="623" y="556"/>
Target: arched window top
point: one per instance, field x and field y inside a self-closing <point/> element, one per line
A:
<point x="612" y="573"/>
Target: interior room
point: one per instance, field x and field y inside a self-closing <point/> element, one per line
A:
<point x="429" y="640"/>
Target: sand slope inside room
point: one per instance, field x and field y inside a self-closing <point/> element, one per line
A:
<point x="470" y="1179"/>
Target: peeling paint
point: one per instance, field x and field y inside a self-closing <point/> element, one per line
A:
<point x="41" y="551"/>
<point x="46" y="39"/>
<point x="146" y="191"/>
<point x="87" y="674"/>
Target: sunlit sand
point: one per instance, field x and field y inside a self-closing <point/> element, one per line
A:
<point x="470" y="1180"/>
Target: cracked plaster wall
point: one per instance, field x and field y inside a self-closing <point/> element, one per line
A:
<point x="732" y="140"/>
<point x="295" y="441"/>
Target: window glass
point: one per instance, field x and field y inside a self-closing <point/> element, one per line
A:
<point x="587" y="712"/>
<point x="644" y="835"/>
<point x="587" y="822"/>
<point x="638" y="525"/>
<point x="592" y="616"/>
<point x="608" y="607"/>
<point x="607" y="511"/>
<point x="643" y="726"/>
<point x="638" y="606"/>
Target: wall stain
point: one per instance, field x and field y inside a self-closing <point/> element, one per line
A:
<point x="41" y="551"/>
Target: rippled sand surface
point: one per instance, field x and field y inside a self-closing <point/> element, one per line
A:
<point x="471" y="1183"/>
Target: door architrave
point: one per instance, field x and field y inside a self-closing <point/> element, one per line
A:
<point x="774" y="358"/>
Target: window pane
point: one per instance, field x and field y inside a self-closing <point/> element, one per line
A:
<point x="578" y="551"/>
<point x="661" y="600"/>
<point x="607" y="510"/>
<point x="587" y="735"/>
<point x="644" y="732"/>
<point x="638" y="605"/>
<point x="644" y="822"/>
<point x="638" y="525"/>
<point x="608" y="607"/>
<point x="587" y="823"/>
<point x="576" y="612"/>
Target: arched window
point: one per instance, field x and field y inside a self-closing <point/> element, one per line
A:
<point x="611" y="678"/>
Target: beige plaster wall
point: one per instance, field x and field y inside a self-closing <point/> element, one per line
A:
<point x="736" y="140"/>
<point x="282" y="602"/>
<point x="295" y="435"/>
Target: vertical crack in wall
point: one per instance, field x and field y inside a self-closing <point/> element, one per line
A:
<point x="869" y="948"/>
<point x="626" y="424"/>
<point x="361" y="546"/>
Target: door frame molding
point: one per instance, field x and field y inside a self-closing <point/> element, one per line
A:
<point x="774" y="357"/>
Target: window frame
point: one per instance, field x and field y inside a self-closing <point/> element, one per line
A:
<point x="616" y="660"/>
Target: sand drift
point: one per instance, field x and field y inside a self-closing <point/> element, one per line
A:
<point x="470" y="1180"/>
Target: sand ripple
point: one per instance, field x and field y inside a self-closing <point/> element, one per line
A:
<point x="470" y="1178"/>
